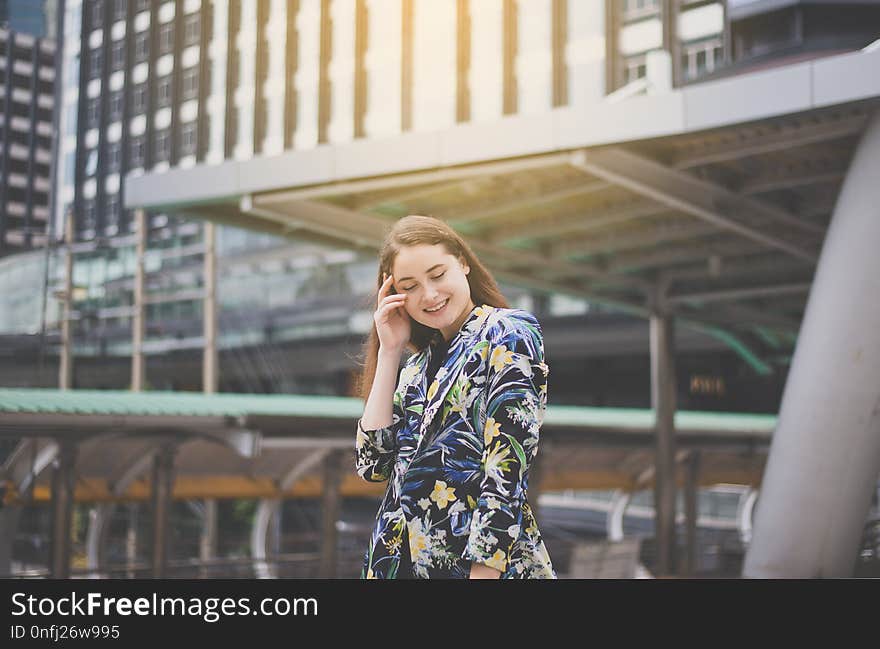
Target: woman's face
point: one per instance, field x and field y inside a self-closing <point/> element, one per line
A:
<point x="436" y="286"/>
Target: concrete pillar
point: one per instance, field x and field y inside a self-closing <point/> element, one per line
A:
<point x="131" y="536"/>
<point x="63" y="483"/>
<point x="330" y="514"/>
<point x="162" y="487"/>
<point x="260" y="531"/>
<point x="825" y="455"/>
<point x="96" y="536"/>
<point x="210" y="359"/>
<point x="691" y="510"/>
<point x="663" y="403"/>
<point x="614" y="522"/>
<point x="65" y="364"/>
<point x="139" y="309"/>
<point x="208" y="540"/>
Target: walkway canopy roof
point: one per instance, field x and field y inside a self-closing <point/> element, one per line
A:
<point x="234" y="445"/>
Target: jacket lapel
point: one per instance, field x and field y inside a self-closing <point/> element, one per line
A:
<point x="459" y="350"/>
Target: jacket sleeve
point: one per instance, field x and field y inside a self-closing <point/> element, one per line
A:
<point x="515" y="404"/>
<point x="376" y="450"/>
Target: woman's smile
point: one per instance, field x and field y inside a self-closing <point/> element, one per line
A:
<point x="437" y="308"/>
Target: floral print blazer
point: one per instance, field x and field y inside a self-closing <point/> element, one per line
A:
<point x="457" y="489"/>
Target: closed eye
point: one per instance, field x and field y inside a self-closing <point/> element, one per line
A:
<point x="409" y="288"/>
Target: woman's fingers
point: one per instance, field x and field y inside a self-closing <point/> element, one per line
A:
<point x="385" y="289"/>
<point x="389" y="304"/>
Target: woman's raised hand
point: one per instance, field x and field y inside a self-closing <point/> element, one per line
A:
<point x="392" y="320"/>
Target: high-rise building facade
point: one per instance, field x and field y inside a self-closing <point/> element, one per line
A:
<point x="35" y="17"/>
<point x="27" y="78"/>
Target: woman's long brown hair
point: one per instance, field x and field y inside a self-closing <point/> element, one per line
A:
<point x="415" y="230"/>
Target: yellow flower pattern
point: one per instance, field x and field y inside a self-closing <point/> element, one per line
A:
<point x="442" y="495"/>
<point x="492" y="429"/>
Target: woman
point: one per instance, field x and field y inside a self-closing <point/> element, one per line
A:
<point x="457" y="435"/>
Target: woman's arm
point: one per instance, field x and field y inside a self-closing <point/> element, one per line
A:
<point x="376" y="444"/>
<point x="378" y="409"/>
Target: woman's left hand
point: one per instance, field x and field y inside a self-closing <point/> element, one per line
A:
<point x="482" y="571"/>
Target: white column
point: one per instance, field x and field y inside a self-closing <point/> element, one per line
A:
<point x="825" y="455"/>
<point x="382" y="63"/>
<point x="216" y="107"/>
<point x="306" y="78"/>
<point x="273" y="89"/>
<point x="534" y="58"/>
<point x="246" y="42"/>
<point x="487" y="60"/>
<point x="434" y="64"/>
<point x="341" y="128"/>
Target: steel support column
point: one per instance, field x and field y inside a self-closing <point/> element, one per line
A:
<point x="139" y="311"/>
<point x="65" y="365"/>
<point x="131" y="537"/>
<point x="210" y="360"/>
<point x="663" y="403"/>
<point x="63" y="483"/>
<point x="825" y="456"/>
<point x="208" y="539"/>
<point x="162" y="487"/>
<point x="691" y="510"/>
<point x="330" y="513"/>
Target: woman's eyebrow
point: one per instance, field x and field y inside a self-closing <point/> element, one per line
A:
<point x="402" y="279"/>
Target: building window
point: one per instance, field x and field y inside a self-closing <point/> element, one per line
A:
<point x="91" y="165"/>
<point x="141" y="47"/>
<point x="637" y="9"/>
<point x="119" y="9"/>
<point x="139" y="99"/>
<point x="188" y="138"/>
<point x="113" y="161"/>
<point x="93" y="111"/>
<point x="96" y="62"/>
<point x="111" y="209"/>
<point x="163" y="91"/>
<point x="142" y="5"/>
<point x="88" y="213"/>
<point x="166" y="38"/>
<point x="162" y="146"/>
<point x="190" y="83"/>
<point x="115" y="105"/>
<point x="137" y="151"/>
<point x="191" y="29"/>
<point x="97" y="13"/>
<point x="701" y="57"/>
<point x="635" y="67"/>
<point x="117" y="55"/>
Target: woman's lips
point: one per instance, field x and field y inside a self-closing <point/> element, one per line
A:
<point x="440" y="310"/>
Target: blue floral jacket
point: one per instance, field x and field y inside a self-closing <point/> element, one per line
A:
<point x="457" y="490"/>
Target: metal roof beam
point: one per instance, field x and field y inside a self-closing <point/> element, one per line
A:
<point x="521" y="203"/>
<point x="667" y="255"/>
<point x="648" y="236"/>
<point x="576" y="222"/>
<point x="705" y="200"/>
<point x="744" y="293"/>
<point x="776" y="182"/>
<point x="797" y="132"/>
